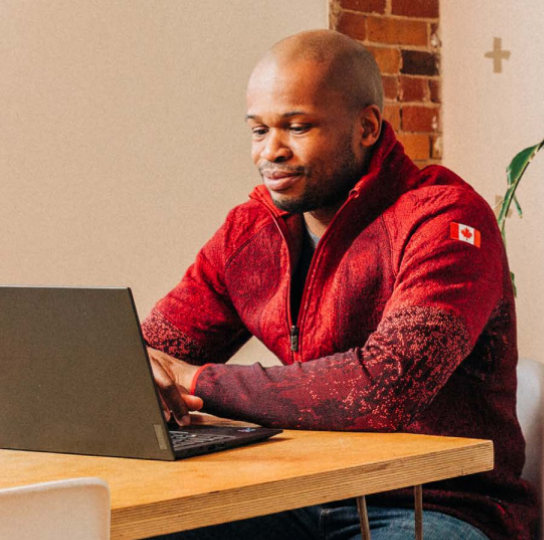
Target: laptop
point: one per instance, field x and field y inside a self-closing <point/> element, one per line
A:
<point x="75" y="378"/>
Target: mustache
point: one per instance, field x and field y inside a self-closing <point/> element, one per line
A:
<point x="269" y="169"/>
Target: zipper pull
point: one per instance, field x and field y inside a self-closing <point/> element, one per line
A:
<point x="294" y="338"/>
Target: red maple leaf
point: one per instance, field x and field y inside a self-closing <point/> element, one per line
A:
<point x="466" y="233"/>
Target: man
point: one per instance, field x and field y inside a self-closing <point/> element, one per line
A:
<point x="384" y="291"/>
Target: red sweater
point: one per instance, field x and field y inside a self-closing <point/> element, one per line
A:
<point x="401" y="327"/>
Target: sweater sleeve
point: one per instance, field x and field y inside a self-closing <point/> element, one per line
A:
<point x="196" y="321"/>
<point x="445" y="292"/>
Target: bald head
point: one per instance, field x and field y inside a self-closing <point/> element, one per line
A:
<point x="313" y="106"/>
<point x="348" y="67"/>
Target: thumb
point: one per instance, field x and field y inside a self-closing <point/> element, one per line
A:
<point x="194" y="403"/>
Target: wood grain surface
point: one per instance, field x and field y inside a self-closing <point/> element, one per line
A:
<point x="294" y="469"/>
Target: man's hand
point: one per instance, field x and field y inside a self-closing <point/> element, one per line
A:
<point x="173" y="377"/>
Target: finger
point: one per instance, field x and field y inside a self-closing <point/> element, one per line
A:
<point x="170" y="394"/>
<point x="194" y="403"/>
<point x="177" y="404"/>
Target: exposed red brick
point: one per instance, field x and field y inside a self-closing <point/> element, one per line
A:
<point x="352" y="25"/>
<point x="436" y="90"/>
<point x="391" y="113"/>
<point x="416" y="118"/>
<point x="396" y="31"/>
<point x="364" y="6"/>
<point x="417" y="146"/>
<point x="390" y="87"/>
<point x="419" y="63"/>
<point x="416" y="8"/>
<point x="388" y="58"/>
<point x="411" y="78"/>
<point x="414" y="89"/>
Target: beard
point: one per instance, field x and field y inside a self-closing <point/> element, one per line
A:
<point x="327" y="184"/>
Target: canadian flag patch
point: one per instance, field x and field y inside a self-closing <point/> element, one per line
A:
<point x="464" y="233"/>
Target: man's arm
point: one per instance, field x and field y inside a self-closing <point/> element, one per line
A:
<point x="444" y="295"/>
<point x="213" y="329"/>
<point x="196" y="321"/>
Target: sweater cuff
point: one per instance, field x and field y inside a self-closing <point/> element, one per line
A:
<point x="195" y="378"/>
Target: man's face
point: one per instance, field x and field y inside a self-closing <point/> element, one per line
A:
<point x="305" y="139"/>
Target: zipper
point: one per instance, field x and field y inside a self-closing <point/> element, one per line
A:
<point x="294" y="330"/>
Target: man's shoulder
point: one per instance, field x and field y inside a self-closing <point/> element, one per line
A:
<point x="439" y="194"/>
<point x="244" y="221"/>
<point x="440" y="190"/>
<point x="250" y="214"/>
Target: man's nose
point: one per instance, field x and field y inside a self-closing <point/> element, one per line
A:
<point x="275" y="149"/>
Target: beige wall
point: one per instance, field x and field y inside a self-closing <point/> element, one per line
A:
<point x="122" y="135"/>
<point x="489" y="117"/>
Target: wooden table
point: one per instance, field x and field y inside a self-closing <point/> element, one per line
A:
<point x="294" y="469"/>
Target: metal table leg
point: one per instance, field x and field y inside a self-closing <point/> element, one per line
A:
<point x="418" y="495"/>
<point x="363" y="516"/>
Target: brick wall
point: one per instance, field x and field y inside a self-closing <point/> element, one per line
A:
<point x="403" y="37"/>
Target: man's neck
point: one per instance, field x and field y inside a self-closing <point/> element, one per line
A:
<point x="316" y="226"/>
<point x="317" y="221"/>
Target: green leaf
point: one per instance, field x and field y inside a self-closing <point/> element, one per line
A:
<point x="518" y="207"/>
<point x="514" y="174"/>
<point x="518" y="165"/>
<point x="513" y="278"/>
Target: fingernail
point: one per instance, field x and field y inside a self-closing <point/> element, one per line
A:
<point x="186" y="420"/>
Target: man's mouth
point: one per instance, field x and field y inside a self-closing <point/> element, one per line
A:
<point x="280" y="180"/>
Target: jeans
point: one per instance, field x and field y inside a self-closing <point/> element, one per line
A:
<point x="336" y="523"/>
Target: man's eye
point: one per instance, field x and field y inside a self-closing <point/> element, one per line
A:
<point x="258" y="131"/>
<point x="299" y="128"/>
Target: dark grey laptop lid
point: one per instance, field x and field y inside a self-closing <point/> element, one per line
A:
<point x="74" y="375"/>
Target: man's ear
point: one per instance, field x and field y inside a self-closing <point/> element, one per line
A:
<point x="371" y="125"/>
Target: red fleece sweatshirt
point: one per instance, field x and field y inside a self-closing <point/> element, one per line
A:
<point x="406" y="323"/>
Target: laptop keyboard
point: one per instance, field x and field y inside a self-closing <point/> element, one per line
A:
<point x="183" y="439"/>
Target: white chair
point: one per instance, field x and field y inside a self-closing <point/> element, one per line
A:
<point x="76" y="509"/>
<point x="530" y="409"/>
